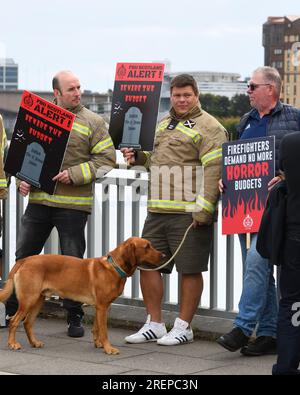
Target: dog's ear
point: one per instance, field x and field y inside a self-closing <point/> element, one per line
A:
<point x="127" y="251"/>
<point x="132" y="252"/>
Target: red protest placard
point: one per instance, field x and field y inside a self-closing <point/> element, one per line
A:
<point x="39" y="142"/>
<point x="248" y="166"/>
<point x="135" y="104"/>
<point x="142" y="72"/>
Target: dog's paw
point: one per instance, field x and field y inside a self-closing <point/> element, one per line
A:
<point x="112" y="351"/>
<point x="15" y="346"/>
<point x="98" y="344"/>
<point x="37" y="344"/>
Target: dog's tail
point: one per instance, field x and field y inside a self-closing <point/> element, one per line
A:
<point x="9" y="285"/>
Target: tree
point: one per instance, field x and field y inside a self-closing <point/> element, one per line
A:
<point x="208" y="102"/>
<point x="239" y="105"/>
<point x="230" y="124"/>
<point x="222" y="106"/>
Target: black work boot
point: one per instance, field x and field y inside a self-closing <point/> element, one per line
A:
<point x="6" y="322"/>
<point x="233" y="340"/>
<point x="262" y="345"/>
<point x="75" y="328"/>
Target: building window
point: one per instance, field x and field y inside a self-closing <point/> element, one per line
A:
<point x="277" y="51"/>
<point x="295" y="90"/>
<point x="8" y="74"/>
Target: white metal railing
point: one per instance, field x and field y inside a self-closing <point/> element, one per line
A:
<point x="115" y="217"/>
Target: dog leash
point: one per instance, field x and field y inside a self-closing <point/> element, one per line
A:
<point x="173" y="256"/>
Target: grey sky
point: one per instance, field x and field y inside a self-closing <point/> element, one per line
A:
<point x="89" y="37"/>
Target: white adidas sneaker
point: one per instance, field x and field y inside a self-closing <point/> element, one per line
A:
<point x="180" y="333"/>
<point x="150" y="332"/>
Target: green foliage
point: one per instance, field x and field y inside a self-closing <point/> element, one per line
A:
<point x="218" y="106"/>
<point x="230" y="124"/>
<point x="222" y="106"/>
<point x="239" y="105"/>
<point x="227" y="111"/>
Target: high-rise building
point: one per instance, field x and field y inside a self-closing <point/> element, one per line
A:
<point x="8" y="74"/>
<point x="281" y="40"/>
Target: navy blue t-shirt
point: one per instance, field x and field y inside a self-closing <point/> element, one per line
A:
<point x="256" y="126"/>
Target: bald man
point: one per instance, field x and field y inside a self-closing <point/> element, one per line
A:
<point x="89" y="149"/>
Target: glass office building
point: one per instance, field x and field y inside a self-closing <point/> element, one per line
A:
<point x="8" y="74"/>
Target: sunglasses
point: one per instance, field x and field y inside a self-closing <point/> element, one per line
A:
<point x="253" y="86"/>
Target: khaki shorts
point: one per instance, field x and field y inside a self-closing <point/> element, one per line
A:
<point x="165" y="232"/>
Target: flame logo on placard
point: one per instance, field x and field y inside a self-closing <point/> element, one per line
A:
<point x="244" y="216"/>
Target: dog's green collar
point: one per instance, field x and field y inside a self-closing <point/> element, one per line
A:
<point x="121" y="272"/>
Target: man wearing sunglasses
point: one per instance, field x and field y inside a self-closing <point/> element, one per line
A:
<point x="258" y="303"/>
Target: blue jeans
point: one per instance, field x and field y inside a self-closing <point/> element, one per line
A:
<point x="258" y="307"/>
<point x="36" y="226"/>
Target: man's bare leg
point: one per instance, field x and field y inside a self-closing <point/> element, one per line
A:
<point x="191" y="291"/>
<point x="152" y="289"/>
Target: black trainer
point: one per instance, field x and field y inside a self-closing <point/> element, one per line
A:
<point x="233" y="340"/>
<point x="263" y="345"/>
<point x="7" y="318"/>
<point x="75" y="328"/>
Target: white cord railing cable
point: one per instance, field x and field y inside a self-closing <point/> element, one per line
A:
<point x="173" y="256"/>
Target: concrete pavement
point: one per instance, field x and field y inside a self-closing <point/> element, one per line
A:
<point x="63" y="355"/>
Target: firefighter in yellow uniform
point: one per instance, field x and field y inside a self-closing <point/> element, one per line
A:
<point x="3" y="182"/>
<point x="89" y="150"/>
<point x="185" y="166"/>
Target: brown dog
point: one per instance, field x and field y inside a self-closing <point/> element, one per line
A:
<point x="95" y="281"/>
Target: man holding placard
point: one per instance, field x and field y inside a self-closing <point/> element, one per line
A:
<point x="258" y="303"/>
<point x="89" y="149"/>
<point x="183" y="191"/>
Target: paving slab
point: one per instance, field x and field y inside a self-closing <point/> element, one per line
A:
<point x="167" y="364"/>
<point x="63" y="355"/>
